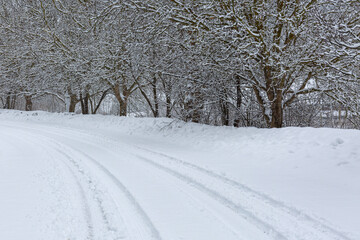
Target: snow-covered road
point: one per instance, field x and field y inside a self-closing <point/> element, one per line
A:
<point x="64" y="183"/>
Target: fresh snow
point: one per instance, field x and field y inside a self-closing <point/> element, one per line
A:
<point x="66" y="176"/>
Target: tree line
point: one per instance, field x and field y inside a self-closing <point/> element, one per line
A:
<point x="263" y="63"/>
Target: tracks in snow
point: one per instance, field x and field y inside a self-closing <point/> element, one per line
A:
<point x="144" y="228"/>
<point x="60" y="169"/>
<point x="270" y="216"/>
<point x="116" y="206"/>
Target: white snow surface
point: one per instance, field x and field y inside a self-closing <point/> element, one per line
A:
<point x="67" y="177"/>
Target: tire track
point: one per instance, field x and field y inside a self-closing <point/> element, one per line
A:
<point x="98" y="195"/>
<point x="263" y="226"/>
<point x="251" y="194"/>
<point x="84" y="199"/>
<point x="143" y="229"/>
<point x="146" y="220"/>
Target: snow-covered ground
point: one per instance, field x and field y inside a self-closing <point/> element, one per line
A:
<point x="65" y="176"/>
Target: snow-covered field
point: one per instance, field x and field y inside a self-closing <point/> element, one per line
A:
<point x="65" y="176"/>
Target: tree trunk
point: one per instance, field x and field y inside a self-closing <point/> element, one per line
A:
<point x="156" y="101"/>
<point x="192" y="110"/>
<point x="81" y="103"/>
<point x="277" y="112"/>
<point x="28" y="103"/>
<point x="238" y="103"/>
<point x="224" y="108"/>
<point x="13" y="102"/>
<point x="8" y="101"/>
<point x="196" y="106"/>
<point x="274" y="93"/>
<point x="123" y="107"/>
<point x="84" y="103"/>
<point x="196" y="115"/>
<point x="167" y="91"/>
<point x="73" y="102"/>
<point x="225" y="114"/>
<point x="168" y="106"/>
<point x="103" y="95"/>
<point x="122" y="99"/>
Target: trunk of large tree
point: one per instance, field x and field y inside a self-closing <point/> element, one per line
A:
<point x="277" y="112"/>
<point x="85" y="103"/>
<point x="122" y="99"/>
<point x="28" y="103"/>
<point x="123" y="108"/>
<point x="274" y="94"/>
<point x="73" y="102"/>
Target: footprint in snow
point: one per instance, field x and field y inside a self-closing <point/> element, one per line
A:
<point x="337" y="142"/>
<point x="342" y="163"/>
